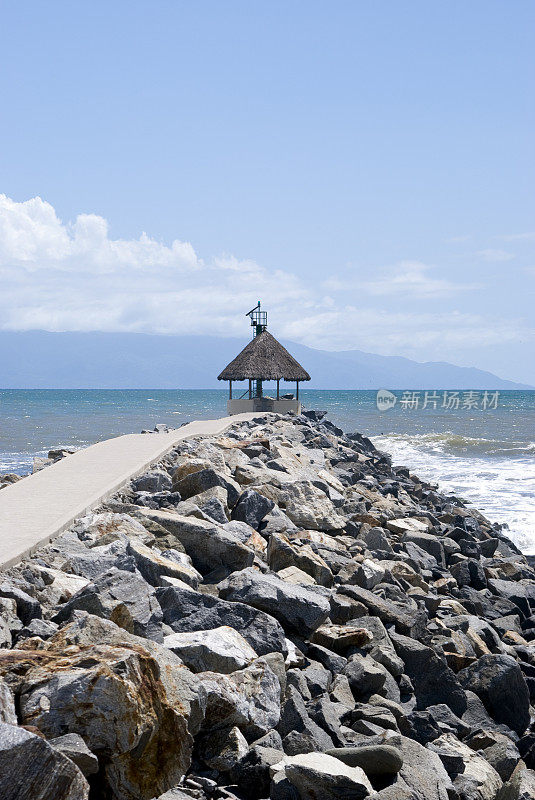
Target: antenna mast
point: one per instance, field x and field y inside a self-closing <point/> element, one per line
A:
<point x="258" y="320"/>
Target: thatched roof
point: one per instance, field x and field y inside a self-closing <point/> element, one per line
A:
<point x="264" y="358"/>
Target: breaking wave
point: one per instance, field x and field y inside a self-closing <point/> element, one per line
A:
<point x="496" y="476"/>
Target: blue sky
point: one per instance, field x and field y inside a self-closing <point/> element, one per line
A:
<point x="366" y="168"/>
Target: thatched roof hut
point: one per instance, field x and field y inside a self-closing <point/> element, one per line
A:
<point x="264" y="358"/>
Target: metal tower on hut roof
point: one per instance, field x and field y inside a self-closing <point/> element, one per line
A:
<point x="263" y="359"/>
<point x="259" y="325"/>
<point x="258" y="319"/>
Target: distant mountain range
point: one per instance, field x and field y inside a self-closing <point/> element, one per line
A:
<point x="38" y="359"/>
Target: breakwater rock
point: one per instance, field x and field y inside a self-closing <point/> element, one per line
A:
<point x="276" y="613"/>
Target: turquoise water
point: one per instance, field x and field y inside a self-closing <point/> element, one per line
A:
<point x="485" y="454"/>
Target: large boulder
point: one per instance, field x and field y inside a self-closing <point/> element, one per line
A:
<point x="434" y="682"/>
<point x="276" y="521"/>
<point x="248" y="698"/>
<point x="223" y="748"/>
<point x="296" y="607"/>
<point x="90" y="563"/>
<point x="154" y="566"/>
<point x="365" y="675"/>
<point x="316" y="775"/>
<point x="475" y="777"/>
<point x="431" y="544"/>
<point x="300" y="733"/>
<point x="28" y="607"/>
<point x="103" y="528"/>
<point x="407" y="620"/>
<point x="8" y="621"/>
<point x="208" y="544"/>
<point x="251" y="508"/>
<point x="422" y="772"/>
<point x="281" y="553"/>
<point x="218" y="650"/>
<point x="310" y="508"/>
<point x="498" y="682"/>
<point x="30" y="769"/>
<point x="124" y="598"/>
<point x="247" y="535"/>
<point x="186" y="610"/>
<point x="339" y="638"/>
<point x="406" y="525"/>
<point x="514" y="591"/>
<point x="251" y="773"/>
<point x="477" y="717"/>
<point x="503" y="756"/>
<point x="375" y="760"/>
<point x="182" y="688"/>
<point x="190" y="465"/>
<point x="156" y="480"/>
<point x="114" y="698"/>
<point x="61" y="586"/>
<point x="73" y="746"/>
<point x="366" y="574"/>
<point x="520" y="786"/>
<point x="195" y="483"/>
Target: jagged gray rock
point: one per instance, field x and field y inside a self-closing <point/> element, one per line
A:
<point x="156" y="480"/>
<point x="198" y="482"/>
<point x="248" y="698"/>
<point x="28" y="607"/>
<point x="252" y="507"/>
<point x="281" y="554"/>
<point x="381" y="759"/>
<point x="223" y="748"/>
<point x="320" y="775"/>
<point x="434" y="682"/>
<point x="128" y="716"/>
<point x="217" y="650"/>
<point x="296" y="607"/>
<point x="186" y="610"/>
<point x="300" y="734"/>
<point x="30" y="769"/>
<point x="122" y="597"/>
<point x="388" y="606"/>
<point x="208" y="544"/>
<point x="73" y="746"/>
<point x="7" y="704"/>
<point x="498" y="682"/>
<point x="153" y="565"/>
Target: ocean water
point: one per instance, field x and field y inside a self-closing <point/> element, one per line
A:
<point x="480" y="447"/>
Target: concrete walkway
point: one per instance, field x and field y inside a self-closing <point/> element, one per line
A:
<point x="36" y="509"/>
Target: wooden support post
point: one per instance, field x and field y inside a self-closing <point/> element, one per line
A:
<point x="297" y="390"/>
<point x="250" y="389"/>
<point x="230" y="390"/>
<point x="278" y="388"/>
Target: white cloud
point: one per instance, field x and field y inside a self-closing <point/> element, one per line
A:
<point x="410" y="278"/>
<point x="491" y="254"/>
<point x="528" y="236"/>
<point x="417" y="335"/>
<point x="413" y="278"/>
<point x="60" y="276"/>
<point x="73" y="276"/>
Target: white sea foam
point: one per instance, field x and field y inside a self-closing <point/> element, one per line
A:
<point x="19" y="463"/>
<point x="497" y="477"/>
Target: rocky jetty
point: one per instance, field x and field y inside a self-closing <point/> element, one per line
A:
<point x="278" y="613"/>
